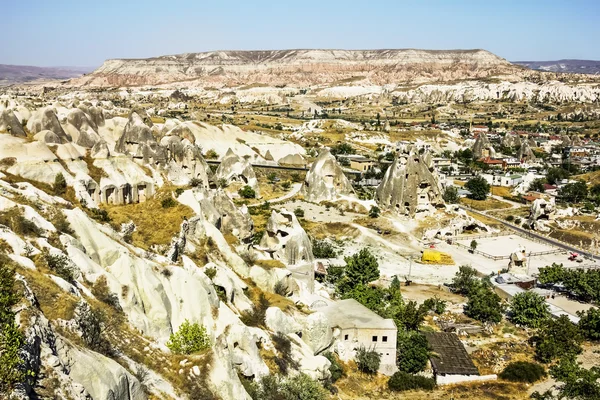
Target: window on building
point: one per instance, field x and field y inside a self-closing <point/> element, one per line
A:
<point x="345" y="337"/>
<point x="374" y="338"/>
<point x="384" y="339"/>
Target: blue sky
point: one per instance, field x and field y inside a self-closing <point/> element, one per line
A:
<point x="85" y="33"/>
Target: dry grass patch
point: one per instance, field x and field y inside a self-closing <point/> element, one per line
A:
<point x="94" y="172"/>
<point x="54" y="302"/>
<point x="483" y="205"/>
<point x="155" y="225"/>
<point x="269" y="264"/>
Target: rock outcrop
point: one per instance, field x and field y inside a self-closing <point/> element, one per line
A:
<point x="525" y="154"/>
<point x="9" y="123"/>
<point x="540" y="213"/>
<point x="325" y="181"/>
<point x="286" y="240"/>
<point x="46" y="119"/>
<point x="137" y="140"/>
<point x="409" y="187"/>
<point x="482" y="147"/>
<point x="233" y="168"/>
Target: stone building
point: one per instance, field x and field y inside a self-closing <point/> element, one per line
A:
<point x="360" y="327"/>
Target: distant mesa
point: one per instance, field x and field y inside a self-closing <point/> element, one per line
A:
<point x="299" y="67"/>
<point x="12" y="74"/>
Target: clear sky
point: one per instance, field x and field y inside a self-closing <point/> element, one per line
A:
<point x="85" y="33"/>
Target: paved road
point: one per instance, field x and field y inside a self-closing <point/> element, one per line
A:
<point x="527" y="232"/>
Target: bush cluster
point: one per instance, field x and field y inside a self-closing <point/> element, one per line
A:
<point x="401" y="381"/>
<point x="368" y="361"/>
<point x="523" y="371"/>
<point x="189" y="338"/>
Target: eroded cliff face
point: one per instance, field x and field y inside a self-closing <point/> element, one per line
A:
<point x="302" y="67"/>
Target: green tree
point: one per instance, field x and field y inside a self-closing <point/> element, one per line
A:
<point x="552" y="274"/>
<point x="189" y="338"/>
<point x="60" y="184"/>
<point x="410" y="316"/>
<point x="362" y="267"/>
<point x="478" y="187"/>
<point x="484" y="304"/>
<point x="557" y="338"/>
<point x="473" y="245"/>
<point x="369" y="296"/>
<point x="589" y="323"/>
<point x="272" y="177"/>
<point x="247" y="192"/>
<point x="575" y="382"/>
<point x="556" y="174"/>
<point x="374" y="212"/>
<point x="464" y="280"/>
<point x="573" y="192"/>
<point x="529" y="309"/>
<point x="537" y="185"/>
<point x="413" y="352"/>
<point x="451" y="195"/>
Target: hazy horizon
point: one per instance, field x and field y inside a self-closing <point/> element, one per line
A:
<point x="85" y="35"/>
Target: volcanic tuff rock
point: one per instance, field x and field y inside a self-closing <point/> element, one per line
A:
<point x="483" y="147"/>
<point x="325" y="180"/>
<point x="525" y="153"/>
<point x="541" y="210"/>
<point x="286" y="239"/>
<point x="46" y="119"/>
<point x="10" y="123"/>
<point x="233" y="168"/>
<point x="277" y="67"/>
<point x="511" y="140"/>
<point x="408" y="187"/>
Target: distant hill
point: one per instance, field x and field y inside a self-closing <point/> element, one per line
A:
<point x="11" y="74"/>
<point x="569" y="66"/>
<point x="300" y="67"/>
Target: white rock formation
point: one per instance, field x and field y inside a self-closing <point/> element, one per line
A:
<point x="233" y="168"/>
<point x="325" y="181"/>
<point x="286" y="240"/>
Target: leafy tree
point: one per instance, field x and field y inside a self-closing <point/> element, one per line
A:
<point x="247" y="192"/>
<point x="576" y="383"/>
<point x="401" y="381"/>
<point x="473" y="244"/>
<point x="464" y="280"/>
<point x="374" y="212"/>
<point x="298" y="387"/>
<point x="478" y="187"/>
<point x="298" y="212"/>
<point x="368" y="361"/>
<point x="557" y="338"/>
<point x="529" y="309"/>
<point x="413" y="352"/>
<point x="342" y="148"/>
<point x="435" y="304"/>
<point x="523" y="371"/>
<point x="537" y="185"/>
<point x="323" y="249"/>
<point x="369" y="296"/>
<point x="60" y="184"/>
<point x="484" y="304"/>
<point x="589" y="323"/>
<point x="450" y="195"/>
<point x="189" y="338"/>
<point x="410" y="316"/>
<point x="573" y="192"/>
<point x="556" y="174"/>
<point x="552" y="274"/>
<point x="362" y="267"/>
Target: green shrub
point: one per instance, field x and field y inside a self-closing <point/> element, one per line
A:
<point x="323" y="249"/>
<point x="529" y="309"/>
<point x="99" y="214"/>
<point x="374" y="212"/>
<point x="60" y="185"/>
<point x="510" y="218"/>
<point x="256" y="317"/>
<point x="211" y="272"/>
<point x="168" y="202"/>
<point x="61" y="266"/>
<point x="14" y="219"/>
<point x="298" y="387"/>
<point x="91" y="324"/>
<point x="284" y="359"/>
<point x="336" y="369"/>
<point x="195" y="182"/>
<point x="523" y="371"/>
<point x="401" y="381"/>
<point x="286" y="185"/>
<point x="101" y="291"/>
<point x="298" y="212"/>
<point x="280" y="288"/>
<point x="178" y="192"/>
<point x="189" y="339"/>
<point x="247" y="192"/>
<point x="413" y="352"/>
<point x="368" y="361"/>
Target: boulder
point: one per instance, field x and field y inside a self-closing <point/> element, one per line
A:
<point x="541" y="211"/>
<point x="10" y="123"/>
<point x="409" y="187"/>
<point x="277" y="321"/>
<point x="325" y="180"/>
<point x="46" y="119"/>
<point x="317" y="332"/>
